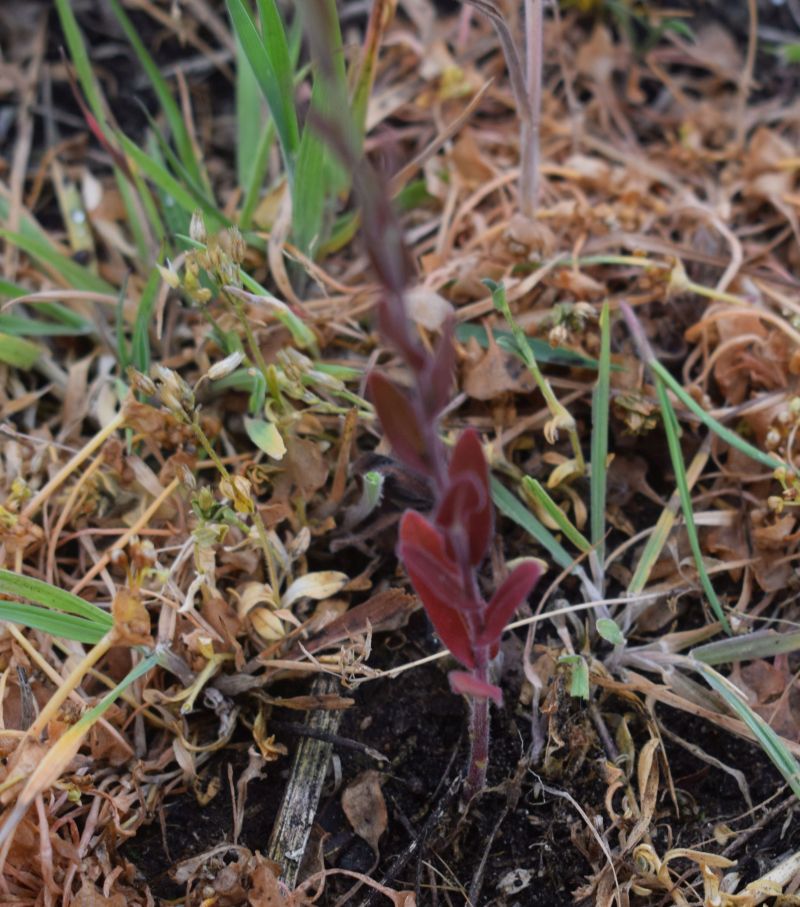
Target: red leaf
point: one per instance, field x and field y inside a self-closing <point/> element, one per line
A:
<point x="437" y="582"/>
<point x="467" y="502"/>
<point x="467" y="685"/>
<point x="399" y="421"/>
<point x="505" y="601"/>
<point x="442" y="367"/>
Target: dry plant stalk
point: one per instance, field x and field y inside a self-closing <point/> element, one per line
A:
<point x="525" y="76"/>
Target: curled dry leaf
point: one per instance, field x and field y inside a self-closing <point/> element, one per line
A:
<point x="314" y="585"/>
<point x="365" y="808"/>
<point x="256" y="603"/>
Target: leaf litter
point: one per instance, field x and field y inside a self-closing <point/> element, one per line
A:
<point x="215" y="528"/>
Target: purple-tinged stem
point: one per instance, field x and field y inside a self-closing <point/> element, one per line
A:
<point x="478" y="735"/>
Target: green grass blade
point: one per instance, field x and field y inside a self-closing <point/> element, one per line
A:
<point x="511" y="506"/>
<point x="540" y="494"/>
<point x="63" y="321"/>
<point x="78" y="277"/>
<point x="319" y="175"/>
<point x="760" y="644"/>
<point x="65" y="626"/>
<point x="672" y="430"/>
<point x="22" y="326"/>
<point x="142" y="215"/>
<point x="541" y="348"/>
<point x="768" y="740"/>
<point x="270" y="62"/>
<point x="730" y="437"/>
<point x="195" y="186"/>
<point x="600" y="415"/>
<point x="658" y="538"/>
<point x="257" y="174"/>
<point x="123" y="351"/>
<point x="92" y="715"/>
<point x="183" y="195"/>
<point x="250" y="117"/>
<point x="140" y="343"/>
<point x="309" y="194"/>
<point x="17" y="352"/>
<point x="80" y="60"/>
<point x="180" y="133"/>
<point x="42" y="593"/>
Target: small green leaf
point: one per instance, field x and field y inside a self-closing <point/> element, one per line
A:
<point x="610" y="631"/>
<point x="265" y="436"/>
<point x="579" y="685"/>
<point x="17" y="352"/>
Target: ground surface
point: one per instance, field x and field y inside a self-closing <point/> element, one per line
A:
<point x="586" y="796"/>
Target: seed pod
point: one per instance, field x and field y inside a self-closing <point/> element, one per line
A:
<point x="226" y="366"/>
<point x="197" y="227"/>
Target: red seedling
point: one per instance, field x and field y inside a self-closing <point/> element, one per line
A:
<point x="443" y="551"/>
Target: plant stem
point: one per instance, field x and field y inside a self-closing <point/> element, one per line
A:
<point x="478" y="737"/>
<point x="255" y="349"/>
<point x="66" y="471"/>
<point x="70" y="683"/>
<point x="529" y="128"/>
<point x="261" y="529"/>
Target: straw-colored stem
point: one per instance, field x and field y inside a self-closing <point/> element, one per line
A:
<point x="123" y="540"/>
<point x="70" y="683"/>
<point x="530" y="154"/>
<point x="66" y="471"/>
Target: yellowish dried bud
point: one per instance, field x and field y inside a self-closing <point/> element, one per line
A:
<point x="169" y="275"/>
<point x="226" y="366"/>
<point x="773" y="439"/>
<point x="678" y="280"/>
<point x="197" y="227"/>
<point x="186" y="476"/>
<point x="239" y="491"/>
<point x="232" y="242"/>
<point x="558" y="335"/>
<point x="166" y="377"/>
<point x="140" y="382"/>
<point x="268" y="625"/>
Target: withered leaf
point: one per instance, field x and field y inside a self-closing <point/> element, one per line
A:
<point x="365" y="808"/>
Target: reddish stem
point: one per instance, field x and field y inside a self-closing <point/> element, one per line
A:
<point x="478" y="734"/>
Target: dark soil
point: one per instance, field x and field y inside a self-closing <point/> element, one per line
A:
<point x="525" y="844"/>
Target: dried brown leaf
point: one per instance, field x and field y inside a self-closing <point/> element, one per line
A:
<point x="365" y="808"/>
